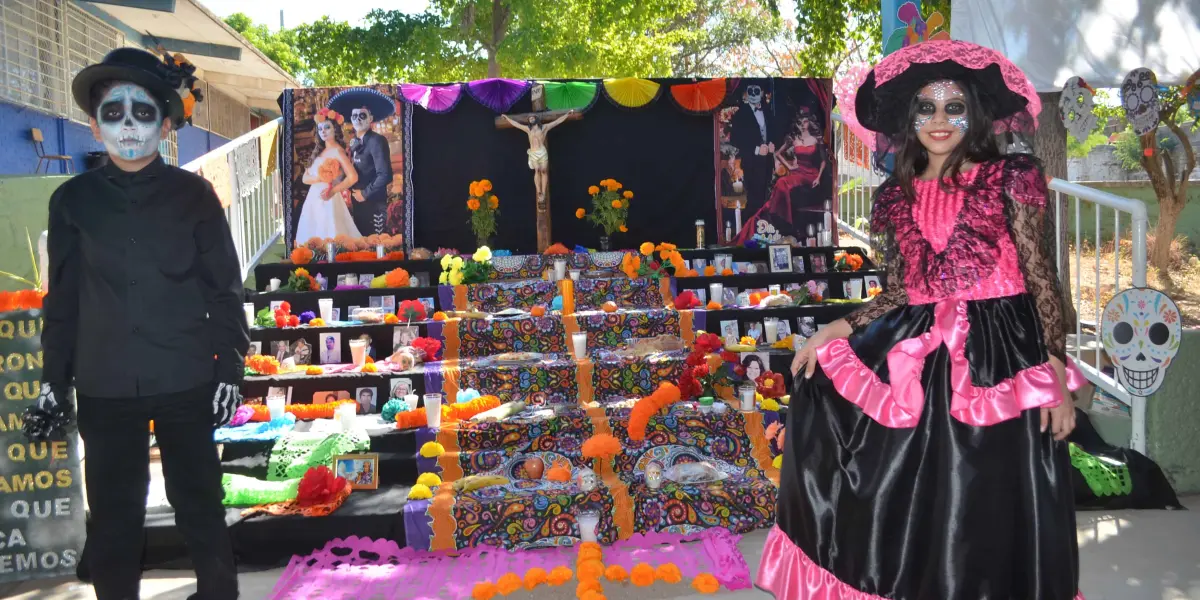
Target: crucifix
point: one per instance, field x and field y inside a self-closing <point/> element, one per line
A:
<point x="536" y="125"/>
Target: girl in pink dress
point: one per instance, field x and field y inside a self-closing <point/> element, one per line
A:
<point x="926" y="455"/>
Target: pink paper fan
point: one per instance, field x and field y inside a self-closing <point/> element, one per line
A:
<point x="498" y="94"/>
<point x="435" y="99"/>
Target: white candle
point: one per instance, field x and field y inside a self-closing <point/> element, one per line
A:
<point x="326" y="306"/>
<point x="275" y="407"/>
<point x="856" y="289"/>
<point x="560" y="269"/>
<point x="716" y="292"/>
<point x="574" y="274"/>
<point x="345" y="416"/>
<point x="587" y="526"/>
<point x="771" y="329"/>
<point x="579" y="340"/>
<point x="433" y="410"/>
<point x="275" y="284"/>
<point x="379" y="251"/>
<point x="329" y="251"/>
<point x="747" y="392"/>
<point x="410" y="402"/>
<point x="248" y="308"/>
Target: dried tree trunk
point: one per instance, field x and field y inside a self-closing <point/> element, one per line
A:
<point x="1050" y="145"/>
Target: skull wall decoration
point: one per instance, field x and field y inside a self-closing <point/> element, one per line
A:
<point x="1139" y="97"/>
<point x="1075" y="108"/>
<point x="1141" y="331"/>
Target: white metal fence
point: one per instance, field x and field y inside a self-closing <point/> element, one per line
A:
<point x="255" y="212"/>
<point x="858" y="179"/>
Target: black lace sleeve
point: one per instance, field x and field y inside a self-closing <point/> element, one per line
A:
<point x="887" y="198"/>
<point x="1033" y="235"/>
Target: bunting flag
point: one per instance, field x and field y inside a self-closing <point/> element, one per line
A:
<point x="631" y="92"/>
<point x="435" y="99"/>
<point x="498" y="94"/>
<point x="701" y="97"/>
<point x="570" y="95"/>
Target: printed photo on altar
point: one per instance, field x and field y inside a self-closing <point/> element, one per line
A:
<point x="755" y="363"/>
<point x="774" y="160"/>
<point x="365" y="397"/>
<point x="331" y="348"/>
<point x="401" y="387"/>
<point x="348" y="164"/>
<point x="361" y="470"/>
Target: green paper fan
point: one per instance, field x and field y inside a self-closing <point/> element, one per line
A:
<point x="569" y="95"/>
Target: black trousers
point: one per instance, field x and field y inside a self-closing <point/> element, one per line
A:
<point x="116" y="438"/>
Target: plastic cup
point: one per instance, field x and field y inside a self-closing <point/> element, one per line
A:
<point x="771" y="329"/>
<point x="275" y="407"/>
<point x="275" y="284"/>
<point x="326" y="307"/>
<point x="248" y="308"/>
<point x="433" y="410"/>
<point x="716" y="291"/>
<point x="579" y="341"/>
<point x="358" y="352"/>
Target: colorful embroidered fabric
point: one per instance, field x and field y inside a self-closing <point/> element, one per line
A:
<point x="534" y="266"/>
<point x="613" y="330"/>
<point x="550" y="381"/>
<point x="631" y="92"/>
<point x="488" y="337"/>
<point x="248" y="491"/>
<point x="700" y="97"/>
<point x="528" y="514"/>
<point x="498" y="296"/>
<point x="501" y="447"/>
<point x="684" y="435"/>
<point x="1104" y="478"/>
<point x="739" y="504"/>
<point x="570" y="95"/>
<point x="296" y="452"/>
<point x="354" y="568"/>
<point x="615" y="377"/>
<point x="590" y="294"/>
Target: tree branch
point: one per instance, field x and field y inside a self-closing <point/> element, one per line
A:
<point x="1188" y="152"/>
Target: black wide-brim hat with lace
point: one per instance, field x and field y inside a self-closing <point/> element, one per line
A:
<point x="884" y="97"/>
<point x="135" y="66"/>
<point x="380" y="105"/>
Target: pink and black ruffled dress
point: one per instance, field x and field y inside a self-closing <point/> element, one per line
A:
<point x="914" y="466"/>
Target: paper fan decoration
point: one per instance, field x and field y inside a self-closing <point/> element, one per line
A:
<point x="845" y="89"/>
<point x="570" y="95"/>
<point x="631" y="92"/>
<point x="498" y="94"/>
<point x="435" y="99"/>
<point x="699" y="97"/>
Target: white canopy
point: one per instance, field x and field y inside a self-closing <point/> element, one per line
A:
<point x="1098" y="40"/>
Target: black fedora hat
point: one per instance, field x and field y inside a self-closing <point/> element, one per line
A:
<point x="134" y="66"/>
<point x="380" y="105"/>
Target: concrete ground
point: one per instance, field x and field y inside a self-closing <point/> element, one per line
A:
<point x="1124" y="555"/>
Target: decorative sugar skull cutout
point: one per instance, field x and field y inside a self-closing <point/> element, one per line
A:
<point x="1075" y="108"/>
<point x="586" y="480"/>
<point x="1139" y="97"/>
<point x="1141" y="331"/>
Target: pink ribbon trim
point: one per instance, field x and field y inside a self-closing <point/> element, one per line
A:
<point x="899" y="404"/>
<point x="789" y="574"/>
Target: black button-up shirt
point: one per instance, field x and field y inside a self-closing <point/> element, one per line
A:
<point x="145" y="290"/>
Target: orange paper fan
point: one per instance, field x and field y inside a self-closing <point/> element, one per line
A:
<point x="699" y="97"/>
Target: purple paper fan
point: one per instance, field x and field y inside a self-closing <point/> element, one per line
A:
<point x="498" y="94"/>
<point x="435" y="99"/>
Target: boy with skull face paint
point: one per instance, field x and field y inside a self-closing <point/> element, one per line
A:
<point x="143" y="318"/>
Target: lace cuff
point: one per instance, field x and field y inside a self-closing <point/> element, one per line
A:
<point x="1033" y="238"/>
<point x="893" y="296"/>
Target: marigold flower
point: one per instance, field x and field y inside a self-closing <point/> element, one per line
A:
<point x="559" y="575"/>
<point x="484" y="590"/>
<point x="473" y="204"/>
<point x="616" y="204"/>
<point x="642" y="575"/>
<point x="669" y="573"/>
<point x="646" y="248"/>
<point x="705" y="583"/>
<point x="508" y="583"/>
<point x="587" y="585"/>
<point x="623" y="228"/>
<point x="580" y="213"/>
<point x="628" y="195"/>
<point x="590" y="570"/>
<point x="593" y="190"/>
<point x="616" y="573"/>
<point x="535" y="577"/>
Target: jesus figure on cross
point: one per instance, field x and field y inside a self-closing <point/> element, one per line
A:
<point x="539" y="154"/>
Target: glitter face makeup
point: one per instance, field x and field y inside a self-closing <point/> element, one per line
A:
<point x="948" y="98"/>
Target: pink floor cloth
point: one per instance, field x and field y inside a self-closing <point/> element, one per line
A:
<point x="357" y="568"/>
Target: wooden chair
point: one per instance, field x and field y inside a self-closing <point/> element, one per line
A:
<point x="40" y="148"/>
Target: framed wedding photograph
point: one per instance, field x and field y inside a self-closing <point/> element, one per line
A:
<point x="781" y="258"/>
<point x="361" y="470"/>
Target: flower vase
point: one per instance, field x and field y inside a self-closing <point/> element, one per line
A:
<point x="605" y="244"/>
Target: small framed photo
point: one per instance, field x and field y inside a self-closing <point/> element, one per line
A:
<point x="301" y="352"/>
<point x="255" y="349"/>
<point x="755" y="363"/>
<point x="361" y="470"/>
<point x="403" y="336"/>
<point x="401" y="387"/>
<point x="781" y="258"/>
<point x="822" y="288"/>
<point x="389" y="304"/>
<point x="327" y="397"/>
<point x="350" y="311"/>
<point x="729" y="332"/>
<point x="818" y="263"/>
<point x="701" y="295"/>
<point x="784" y="329"/>
<point x="722" y="262"/>
<point x="365" y="397"/>
<point x="280" y="350"/>
<point x="364" y="279"/>
<point x="275" y="305"/>
<point x="331" y="348"/>
<point x="699" y="264"/>
<point x="687" y="263"/>
<point x="337" y="314"/>
<point x="806" y="326"/>
<point x="429" y="306"/>
<point x="871" y="282"/>
<point x="798" y="264"/>
<point x="743" y="268"/>
<point x="342" y="279"/>
<point x="731" y="296"/>
<point x="419" y="280"/>
<point x="375" y="301"/>
<point x="754" y="329"/>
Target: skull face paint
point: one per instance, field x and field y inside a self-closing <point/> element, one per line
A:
<point x="361" y="119"/>
<point x="130" y="122"/>
<point x="1141" y="331"/>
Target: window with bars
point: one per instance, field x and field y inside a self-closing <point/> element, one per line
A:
<point x="88" y="40"/>
<point x="32" y="54"/>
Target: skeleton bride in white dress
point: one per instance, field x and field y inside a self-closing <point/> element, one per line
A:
<point x="325" y="213"/>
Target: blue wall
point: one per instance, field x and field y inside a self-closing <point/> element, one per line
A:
<point x="67" y="137"/>
<point x="194" y="142"/>
<point x="17" y="156"/>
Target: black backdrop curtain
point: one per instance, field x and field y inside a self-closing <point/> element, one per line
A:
<point x="660" y="152"/>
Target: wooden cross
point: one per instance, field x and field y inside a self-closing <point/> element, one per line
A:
<point x="536" y="125"/>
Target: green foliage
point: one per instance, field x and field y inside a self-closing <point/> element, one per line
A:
<point x="36" y="283"/>
<point x="1129" y="147"/>
<point x="279" y="47"/>
<point x="1077" y="149"/>
<point x="831" y="31"/>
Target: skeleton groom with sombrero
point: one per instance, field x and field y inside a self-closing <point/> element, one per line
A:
<point x="371" y="155"/>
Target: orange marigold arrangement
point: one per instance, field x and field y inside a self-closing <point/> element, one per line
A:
<point x="602" y="446"/>
<point x="556" y="248"/>
<point x="22" y="300"/>
<point x="610" y="207"/>
<point x="843" y="261"/>
<point x="303" y="412"/>
<point x="668" y="264"/>
<point x="397" y="278"/>
<point x="461" y="411"/>
<point x="484" y="207"/>
<point x="302" y="256"/>
<point x="261" y="364"/>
